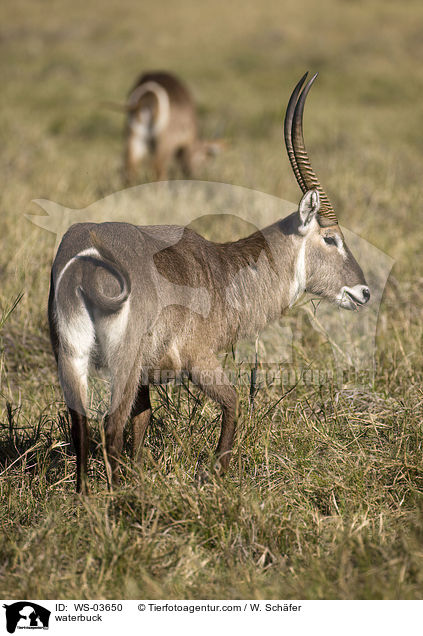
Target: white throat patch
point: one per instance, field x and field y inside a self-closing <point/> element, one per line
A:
<point x="298" y="285"/>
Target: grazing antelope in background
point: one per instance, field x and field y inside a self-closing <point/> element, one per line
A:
<point x="162" y="125"/>
<point x="116" y="301"/>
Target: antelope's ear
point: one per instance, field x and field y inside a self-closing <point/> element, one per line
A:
<point x="307" y="210"/>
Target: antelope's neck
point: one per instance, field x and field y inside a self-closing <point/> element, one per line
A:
<point x="264" y="289"/>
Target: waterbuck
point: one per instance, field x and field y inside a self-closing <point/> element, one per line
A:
<point x="133" y="299"/>
<point x="162" y="125"/>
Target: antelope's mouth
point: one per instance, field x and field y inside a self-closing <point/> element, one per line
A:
<point x="353" y="297"/>
<point x="354" y="300"/>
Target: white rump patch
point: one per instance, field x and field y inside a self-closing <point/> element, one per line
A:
<point x="110" y="330"/>
<point x="82" y="332"/>
<point x="77" y="339"/>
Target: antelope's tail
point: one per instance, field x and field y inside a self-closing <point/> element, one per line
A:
<point x="93" y="293"/>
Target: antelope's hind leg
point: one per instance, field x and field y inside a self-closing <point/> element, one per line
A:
<point x="185" y="159"/>
<point x="136" y="152"/>
<point x="162" y="158"/>
<point x="124" y="395"/>
<point x="73" y="380"/>
<point x="80" y="440"/>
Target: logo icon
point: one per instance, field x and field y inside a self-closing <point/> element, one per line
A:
<point x="26" y="615"/>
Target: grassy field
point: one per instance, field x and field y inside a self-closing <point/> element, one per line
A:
<point x="324" y="496"/>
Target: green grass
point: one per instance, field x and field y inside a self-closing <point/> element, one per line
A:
<point x="324" y="495"/>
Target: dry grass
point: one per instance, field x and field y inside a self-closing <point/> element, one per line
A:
<point x="324" y="498"/>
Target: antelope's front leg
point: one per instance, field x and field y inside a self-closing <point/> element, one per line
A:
<point x="141" y="416"/>
<point x="229" y="400"/>
<point x="211" y="378"/>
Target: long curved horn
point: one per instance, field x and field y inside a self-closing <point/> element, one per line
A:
<point x="309" y="179"/>
<point x="289" y="116"/>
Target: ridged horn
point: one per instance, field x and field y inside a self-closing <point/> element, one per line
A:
<point x="297" y="153"/>
<point x="289" y="117"/>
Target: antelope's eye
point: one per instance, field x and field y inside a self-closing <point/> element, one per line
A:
<point x="329" y="240"/>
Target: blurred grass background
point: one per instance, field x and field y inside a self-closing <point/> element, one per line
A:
<point x="324" y="498"/>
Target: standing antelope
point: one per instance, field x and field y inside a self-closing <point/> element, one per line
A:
<point x="134" y="299"/>
<point x="162" y="125"/>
